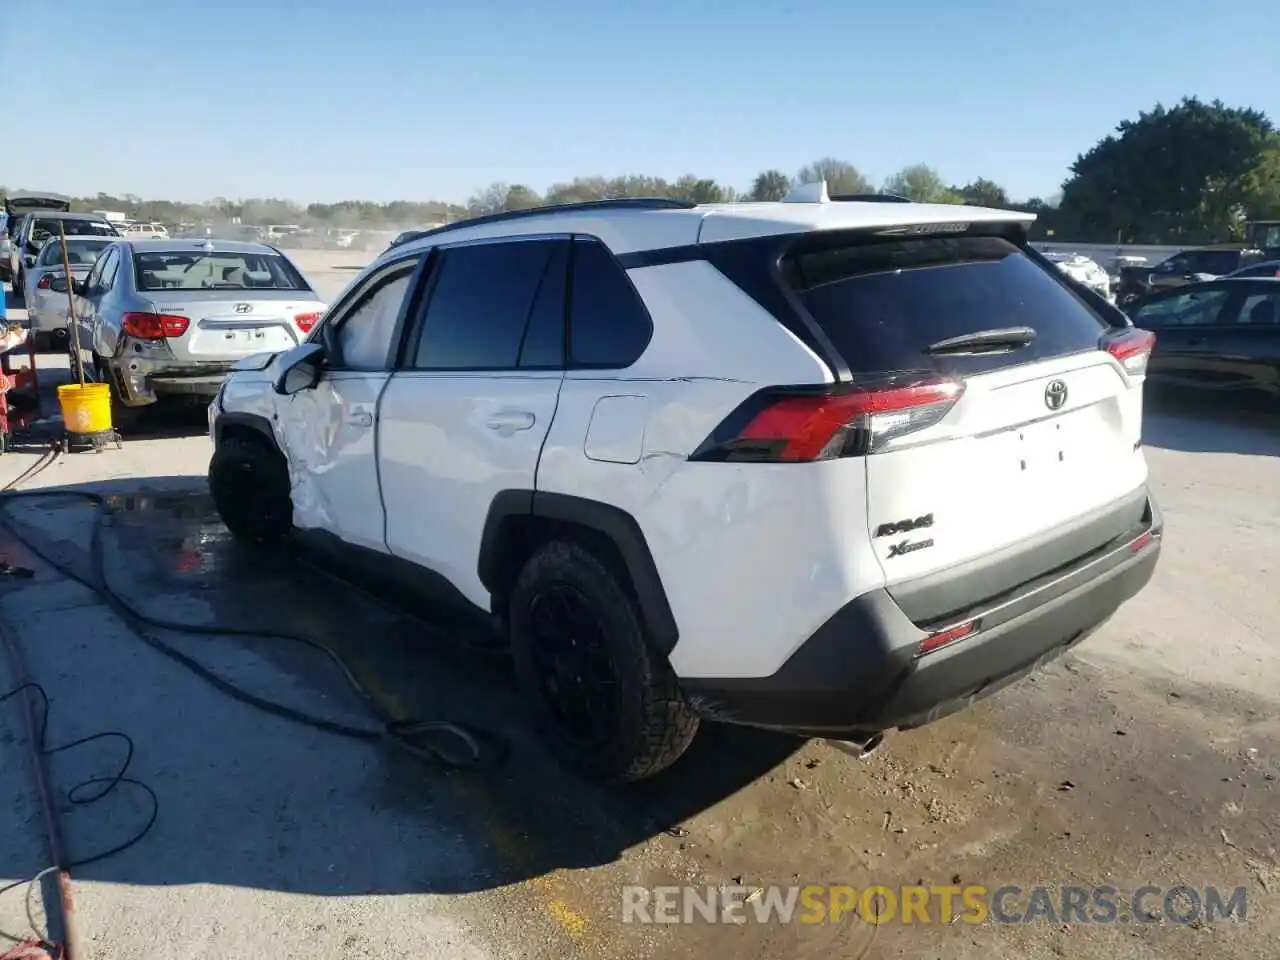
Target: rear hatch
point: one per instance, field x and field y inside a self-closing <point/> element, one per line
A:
<point x="989" y="441"/>
<point x="221" y="326"/>
<point x="15" y="205"/>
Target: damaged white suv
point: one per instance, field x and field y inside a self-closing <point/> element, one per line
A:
<point x="831" y="466"/>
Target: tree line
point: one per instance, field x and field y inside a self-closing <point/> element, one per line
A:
<point x="1190" y="173"/>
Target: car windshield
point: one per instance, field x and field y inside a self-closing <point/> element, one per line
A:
<point x="80" y="251"/>
<point x="44" y="228"/>
<point x="219" y="270"/>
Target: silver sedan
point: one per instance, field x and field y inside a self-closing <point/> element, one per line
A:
<point x="46" y="291"/>
<point x="167" y="318"/>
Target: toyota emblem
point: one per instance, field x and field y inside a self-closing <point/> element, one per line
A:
<point x="248" y="308"/>
<point x="1055" y="394"/>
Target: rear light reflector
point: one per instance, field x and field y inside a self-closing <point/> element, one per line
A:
<point x="944" y="638"/>
<point x="801" y="425"/>
<point x="306" y="321"/>
<point x="154" y="326"/>
<point x="1132" y="348"/>
<point x="45" y="282"/>
<point x="1141" y="543"/>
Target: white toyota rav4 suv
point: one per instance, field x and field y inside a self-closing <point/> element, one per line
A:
<point x="833" y="466"/>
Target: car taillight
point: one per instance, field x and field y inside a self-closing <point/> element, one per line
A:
<point x="1132" y="348"/>
<point x="801" y="425"/>
<point x="306" y="321"/>
<point x="45" y="282"/>
<point x="154" y="326"/>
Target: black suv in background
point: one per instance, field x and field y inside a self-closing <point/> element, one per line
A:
<point x="1186" y="266"/>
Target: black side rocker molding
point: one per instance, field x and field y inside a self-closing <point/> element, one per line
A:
<point x="617" y="525"/>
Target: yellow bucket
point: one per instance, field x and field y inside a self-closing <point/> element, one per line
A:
<point x="85" y="409"/>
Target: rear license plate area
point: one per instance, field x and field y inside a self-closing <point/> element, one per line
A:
<point x="244" y="337"/>
<point x="1042" y="446"/>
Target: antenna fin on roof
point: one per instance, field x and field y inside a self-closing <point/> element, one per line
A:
<point x="808" y="193"/>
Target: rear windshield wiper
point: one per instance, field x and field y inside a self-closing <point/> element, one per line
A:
<point x="984" y="341"/>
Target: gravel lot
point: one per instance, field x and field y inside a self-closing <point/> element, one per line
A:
<point x="1149" y="757"/>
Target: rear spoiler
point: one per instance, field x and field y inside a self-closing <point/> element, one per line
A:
<point x="16" y="204"/>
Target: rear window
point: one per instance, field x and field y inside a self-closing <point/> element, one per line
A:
<point x="882" y="304"/>
<point x="180" y="270"/>
<point x="43" y="228"/>
<point x="1217" y="262"/>
<point x="80" y="252"/>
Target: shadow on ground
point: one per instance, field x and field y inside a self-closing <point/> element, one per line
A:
<point x="168" y="555"/>
<point x="1199" y="422"/>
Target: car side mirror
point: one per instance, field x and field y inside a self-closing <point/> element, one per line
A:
<point x="33" y="246"/>
<point x="299" y="369"/>
<point x="80" y="287"/>
<point x="58" y="284"/>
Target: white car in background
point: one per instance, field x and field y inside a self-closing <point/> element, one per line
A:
<point x="1084" y="270"/>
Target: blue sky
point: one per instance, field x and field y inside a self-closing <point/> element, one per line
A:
<point x="390" y="99"/>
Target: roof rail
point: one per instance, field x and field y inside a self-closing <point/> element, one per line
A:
<point x="617" y="203"/>
<point x="870" y="198"/>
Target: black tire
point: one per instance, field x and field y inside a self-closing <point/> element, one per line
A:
<point x="609" y="704"/>
<point x="249" y="483"/>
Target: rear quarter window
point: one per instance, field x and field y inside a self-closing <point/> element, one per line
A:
<point x="883" y="303"/>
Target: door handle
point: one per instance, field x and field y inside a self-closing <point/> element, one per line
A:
<point x="510" y="421"/>
<point x="361" y="419"/>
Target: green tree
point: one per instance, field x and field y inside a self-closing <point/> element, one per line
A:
<point x="1181" y="174"/>
<point x="983" y="193"/>
<point x="492" y="199"/>
<point x="841" y="177"/>
<point x="770" y="185"/>
<point x="922" y="183"/>
<point x="520" y="197"/>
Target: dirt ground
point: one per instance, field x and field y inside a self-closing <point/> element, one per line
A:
<point x="1149" y="757"/>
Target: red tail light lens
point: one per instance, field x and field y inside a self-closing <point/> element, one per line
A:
<point x="801" y="425"/>
<point x="1132" y="347"/>
<point x="306" y="321"/>
<point x="154" y="326"/>
<point x="45" y="282"/>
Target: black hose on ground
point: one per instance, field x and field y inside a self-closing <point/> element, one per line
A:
<point x="403" y="735"/>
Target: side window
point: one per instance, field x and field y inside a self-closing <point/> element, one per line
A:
<point x="364" y="335"/>
<point x="1260" y="308"/>
<point x="110" y="269"/>
<point x="1186" y="309"/>
<point x="1178" y="263"/>
<point x="94" y="279"/>
<point x="609" y="327"/>
<point x="543" y="344"/>
<point x="480" y="303"/>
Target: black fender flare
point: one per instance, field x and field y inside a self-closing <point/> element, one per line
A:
<point x="616" y="524"/>
<point x="250" y="421"/>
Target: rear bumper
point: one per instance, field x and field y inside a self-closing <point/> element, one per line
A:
<point x="860" y="673"/>
<point x="143" y="381"/>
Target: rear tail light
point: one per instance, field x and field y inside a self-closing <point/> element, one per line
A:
<point x="802" y="425"/>
<point x="306" y="321"/>
<point x="45" y="282"/>
<point x="944" y="638"/>
<point x="1132" y="348"/>
<point x="154" y="326"/>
